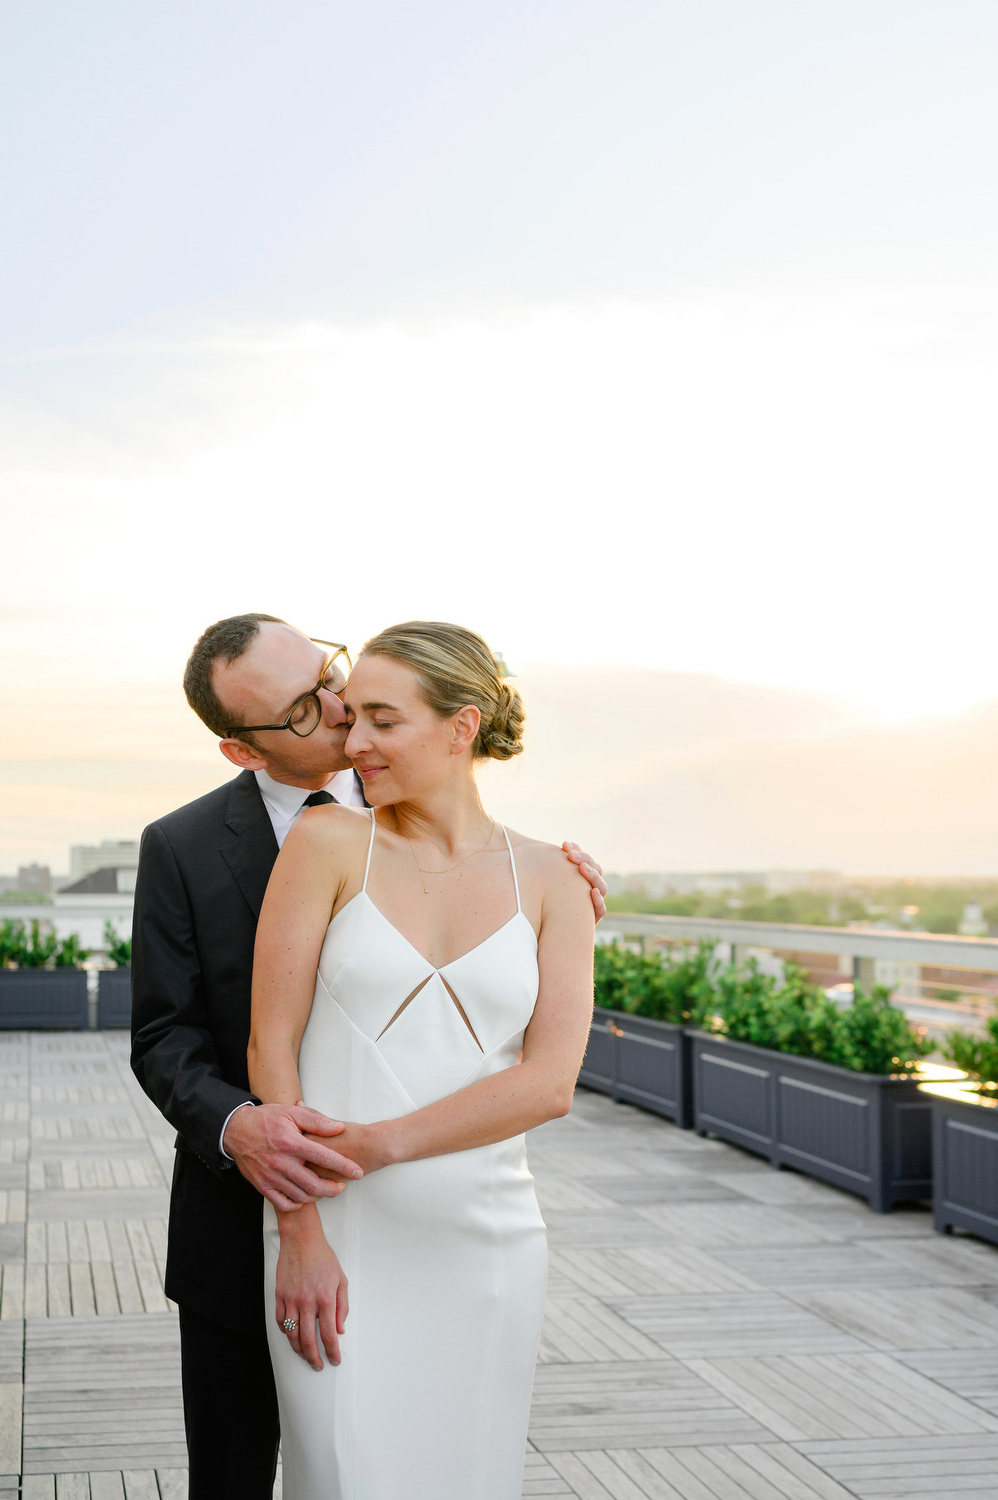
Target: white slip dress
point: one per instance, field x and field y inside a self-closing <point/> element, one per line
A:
<point x="446" y="1258"/>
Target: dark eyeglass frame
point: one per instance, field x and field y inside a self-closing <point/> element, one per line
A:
<point x="337" y="650"/>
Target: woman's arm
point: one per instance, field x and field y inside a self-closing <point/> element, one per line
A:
<point x="541" y="1086"/>
<point x="308" y="879"/>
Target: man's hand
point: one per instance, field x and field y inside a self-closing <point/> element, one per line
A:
<point x="268" y="1144"/>
<point x="591" y="871"/>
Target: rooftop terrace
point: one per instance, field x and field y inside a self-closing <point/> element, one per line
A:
<point x="716" y="1330"/>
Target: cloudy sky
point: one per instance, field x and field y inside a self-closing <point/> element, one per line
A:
<point x="658" y="341"/>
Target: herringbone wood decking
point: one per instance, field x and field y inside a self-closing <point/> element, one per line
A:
<point x="715" y="1330"/>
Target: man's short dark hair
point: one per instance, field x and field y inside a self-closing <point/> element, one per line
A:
<point x="224" y="641"/>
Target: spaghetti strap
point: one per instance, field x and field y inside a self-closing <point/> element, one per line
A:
<point x="512" y="866"/>
<point x="370" y="850"/>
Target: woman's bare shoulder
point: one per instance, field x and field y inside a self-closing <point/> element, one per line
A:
<point x="530" y="848"/>
<point x="335" y="815"/>
<point x="539" y="860"/>
<point x="331" y="825"/>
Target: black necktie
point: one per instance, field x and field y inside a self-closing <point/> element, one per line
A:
<point x="318" y="799"/>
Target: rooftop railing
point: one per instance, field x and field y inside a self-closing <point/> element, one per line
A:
<point x="938" y="979"/>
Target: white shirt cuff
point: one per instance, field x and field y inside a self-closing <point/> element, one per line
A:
<point x="246" y="1104"/>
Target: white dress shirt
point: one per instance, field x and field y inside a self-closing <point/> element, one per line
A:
<point x="284" y="804"/>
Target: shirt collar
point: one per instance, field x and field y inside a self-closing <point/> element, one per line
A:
<point x="345" y="787"/>
<point x="285" y="800"/>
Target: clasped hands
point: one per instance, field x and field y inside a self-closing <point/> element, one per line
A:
<point x="282" y="1150"/>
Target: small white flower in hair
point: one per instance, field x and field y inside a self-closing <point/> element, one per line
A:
<point x="502" y="668"/>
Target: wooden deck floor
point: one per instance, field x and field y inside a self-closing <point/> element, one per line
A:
<point x="716" y="1330"/>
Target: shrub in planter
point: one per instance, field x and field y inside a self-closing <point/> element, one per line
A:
<point x="114" y="999"/>
<point x="675" y="987"/>
<point x="119" y="949"/>
<point x="42" y="983"/>
<point x="869" y="1036"/>
<point x="637" y="1050"/>
<point x="114" y="986"/>
<point x="965" y="1136"/>
<point x="9" y="942"/>
<point x="29" y="948"/>
<point x="69" y="954"/>
<point x="976" y="1055"/>
<point x="786" y="1072"/>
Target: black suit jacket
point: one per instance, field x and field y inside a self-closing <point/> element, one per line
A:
<point x="202" y="874"/>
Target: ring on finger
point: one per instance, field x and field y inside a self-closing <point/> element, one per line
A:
<point x="289" y="1325"/>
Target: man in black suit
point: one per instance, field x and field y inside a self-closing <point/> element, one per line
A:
<point x="272" y="696"/>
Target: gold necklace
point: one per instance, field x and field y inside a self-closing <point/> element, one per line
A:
<point x="460" y="862"/>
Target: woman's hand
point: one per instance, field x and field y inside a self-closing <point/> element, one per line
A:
<point x="370" y="1146"/>
<point x="311" y="1288"/>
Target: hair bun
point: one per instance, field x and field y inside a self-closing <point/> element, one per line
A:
<point x="503" y="738"/>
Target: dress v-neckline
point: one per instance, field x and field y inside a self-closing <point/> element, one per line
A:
<point x="461" y="957"/>
<point x="412" y="946"/>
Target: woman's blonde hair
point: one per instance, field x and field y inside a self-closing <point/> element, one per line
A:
<point x="456" y="668"/>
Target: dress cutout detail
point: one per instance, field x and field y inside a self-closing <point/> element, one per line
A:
<point x="445" y="1258"/>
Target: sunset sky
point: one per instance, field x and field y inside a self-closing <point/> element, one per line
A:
<point x="657" y="341"/>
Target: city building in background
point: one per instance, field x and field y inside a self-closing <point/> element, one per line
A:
<point x="973" y="923"/>
<point x="107" y="881"/>
<point x="32" y="881"/>
<point x="109" y="854"/>
<point x="35" y="878"/>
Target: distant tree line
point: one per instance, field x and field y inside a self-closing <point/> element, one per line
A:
<point x="919" y="906"/>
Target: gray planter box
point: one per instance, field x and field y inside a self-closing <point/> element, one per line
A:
<point x="43" y="999"/>
<point x="599" y="1066"/>
<point x="114" y="999"/>
<point x="642" y="1062"/>
<point x="965" y="1152"/>
<point x="866" y="1132"/>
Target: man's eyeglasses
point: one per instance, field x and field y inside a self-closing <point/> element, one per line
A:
<point x="305" y="714"/>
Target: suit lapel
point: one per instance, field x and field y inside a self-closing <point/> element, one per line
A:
<point x="251" y="850"/>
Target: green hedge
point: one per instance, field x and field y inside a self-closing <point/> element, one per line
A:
<point x="976" y="1055"/>
<point x="869" y="1036"/>
<point x="119" y="949"/>
<point x="790" y="1015"/>
<point x="28" y="948"/>
<point x="676" y="987"/>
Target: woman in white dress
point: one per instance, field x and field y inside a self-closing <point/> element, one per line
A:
<point x="426" y="976"/>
